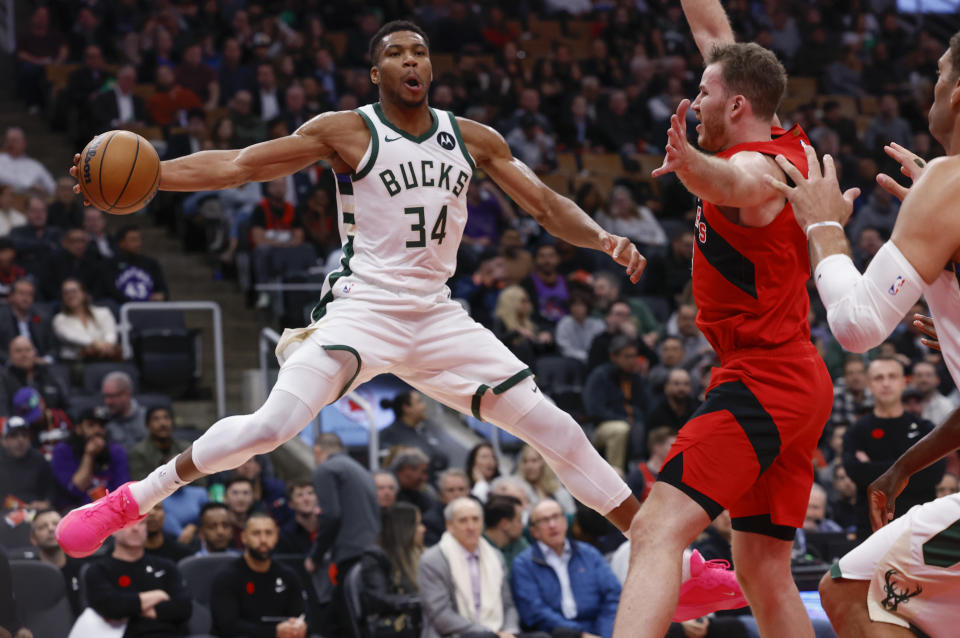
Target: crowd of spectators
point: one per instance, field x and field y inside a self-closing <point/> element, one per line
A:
<point x="582" y="92"/>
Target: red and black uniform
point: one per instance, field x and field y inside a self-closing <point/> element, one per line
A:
<point x="749" y="447"/>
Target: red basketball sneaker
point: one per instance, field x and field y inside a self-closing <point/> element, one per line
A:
<point x="82" y="531"/>
<point x="712" y="586"/>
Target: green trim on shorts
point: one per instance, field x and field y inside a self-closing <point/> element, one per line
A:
<point x="321" y="308"/>
<point x="498" y="389"/>
<point x="374" y="140"/>
<point x="835" y="572"/>
<point x="356" y="372"/>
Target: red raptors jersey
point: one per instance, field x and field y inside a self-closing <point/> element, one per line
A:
<point x="750" y="283"/>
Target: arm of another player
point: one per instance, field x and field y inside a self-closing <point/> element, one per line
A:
<point x="709" y="24"/>
<point x="557" y="214"/>
<point x="737" y="182"/>
<point x="862" y="310"/>
<point x="883" y="492"/>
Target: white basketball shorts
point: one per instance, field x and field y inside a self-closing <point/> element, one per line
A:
<point x="428" y="341"/>
<point x="913" y="565"/>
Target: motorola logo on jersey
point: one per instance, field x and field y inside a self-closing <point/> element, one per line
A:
<point x="446" y="140"/>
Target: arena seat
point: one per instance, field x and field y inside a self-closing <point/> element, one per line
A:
<point x="199" y="573"/>
<point x="93" y="374"/>
<point x="41" y="596"/>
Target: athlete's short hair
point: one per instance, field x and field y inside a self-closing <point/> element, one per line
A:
<point x="376" y="42"/>
<point x="754" y="72"/>
<point x="955" y="55"/>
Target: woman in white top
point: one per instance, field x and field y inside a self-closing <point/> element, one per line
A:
<point x="540" y="482"/>
<point x="85" y="331"/>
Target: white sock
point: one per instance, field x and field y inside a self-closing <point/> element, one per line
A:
<point x="685" y="570"/>
<point x="159" y="484"/>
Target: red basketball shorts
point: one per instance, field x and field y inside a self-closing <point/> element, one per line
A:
<point x="749" y="447"/>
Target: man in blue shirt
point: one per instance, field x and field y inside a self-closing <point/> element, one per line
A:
<point x="563" y="583"/>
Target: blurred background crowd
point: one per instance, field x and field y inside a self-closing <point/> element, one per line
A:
<point x="582" y="91"/>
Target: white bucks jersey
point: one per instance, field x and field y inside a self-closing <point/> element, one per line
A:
<point x="402" y="213"/>
<point x="943" y="297"/>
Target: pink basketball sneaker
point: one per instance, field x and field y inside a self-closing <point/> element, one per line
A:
<point x="712" y="586"/>
<point x="82" y="531"/>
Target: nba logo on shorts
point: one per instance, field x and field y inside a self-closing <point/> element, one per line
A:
<point x="896" y="286"/>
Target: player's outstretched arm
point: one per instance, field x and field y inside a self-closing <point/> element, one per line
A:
<point x="883" y="492"/>
<point x="557" y="214"/>
<point x="709" y="24"/>
<point x="215" y="170"/>
<point x="738" y="182"/>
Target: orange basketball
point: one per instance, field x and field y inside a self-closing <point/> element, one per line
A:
<point x="119" y="172"/>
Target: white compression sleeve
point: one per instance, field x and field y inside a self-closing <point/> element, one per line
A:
<point x="863" y="310"/>
<point x="563" y="444"/>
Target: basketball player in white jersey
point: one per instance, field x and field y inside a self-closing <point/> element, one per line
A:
<point x="906" y="576"/>
<point x="403" y="170"/>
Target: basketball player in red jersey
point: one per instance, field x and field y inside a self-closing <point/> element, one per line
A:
<point x="749" y="447"/>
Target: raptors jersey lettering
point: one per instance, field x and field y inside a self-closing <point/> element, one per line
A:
<point x="749" y="283"/>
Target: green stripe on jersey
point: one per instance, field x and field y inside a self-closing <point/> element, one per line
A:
<point x="374" y="140"/>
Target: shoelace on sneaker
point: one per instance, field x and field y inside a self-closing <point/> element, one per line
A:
<point x="715" y="572"/>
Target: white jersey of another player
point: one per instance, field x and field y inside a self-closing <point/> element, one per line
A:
<point x="943" y="298"/>
<point x="402" y="213"/>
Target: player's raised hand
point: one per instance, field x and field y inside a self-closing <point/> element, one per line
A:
<point x="911" y="165"/>
<point x="624" y="252"/>
<point x="74" y="170"/>
<point x="678" y="148"/>
<point x="924" y="324"/>
<point x="816" y="198"/>
<point x="882" y="497"/>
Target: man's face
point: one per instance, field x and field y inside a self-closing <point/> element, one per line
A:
<point x="943" y="110"/>
<point x="925" y="377"/>
<point x="816" y="509"/>
<point x="93" y="221"/>
<point x="155" y="518"/>
<point x="22" y="353"/>
<point x="37" y="212"/>
<point x="514" y="527"/>
<point x="16" y="443"/>
<point x="452" y="487"/>
<point x="467" y="524"/>
<point x="132" y="537"/>
<point x="672" y="352"/>
<point x="295" y="98"/>
<point x="21" y="297"/>
<point x="603" y="290"/>
<point x="116" y="398"/>
<point x="617" y="315"/>
<point x="197" y="127"/>
<point x="711" y="109"/>
<point x="303" y="500"/>
<point x="250" y="469"/>
<point x="855" y="375"/>
<point x="239" y="498"/>
<point x="15" y="143"/>
<point x="417" y="408"/>
<point x="64" y="192"/>
<point x="265" y="77"/>
<point x="75" y="242"/>
<point x="90" y="428"/>
<point x="886" y="381"/>
<point x="43" y="531"/>
<point x="546" y="260"/>
<point x="127" y="80"/>
<point x="412" y="477"/>
<point x="160" y="425"/>
<point x="131" y="243"/>
<point x="386" y="489"/>
<point x="687" y="320"/>
<point x="678" y="385"/>
<point x="625" y="360"/>
<point x="548" y="524"/>
<point x="215" y="529"/>
<point x="260" y="536"/>
<point x="403" y="71"/>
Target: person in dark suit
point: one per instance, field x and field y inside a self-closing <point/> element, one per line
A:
<point x="194" y="139"/>
<point x="267" y="100"/>
<point x="71" y="260"/>
<point x="295" y="113"/>
<point x="20" y="318"/>
<point x="118" y="107"/>
<point x="72" y="105"/>
<point x="37" y="239"/>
